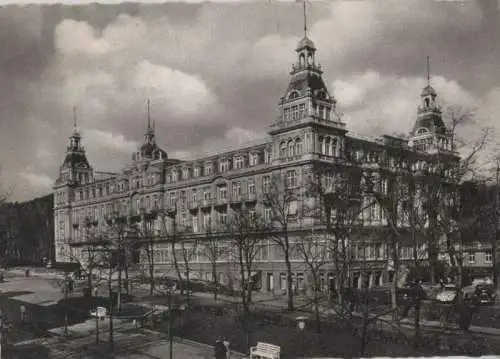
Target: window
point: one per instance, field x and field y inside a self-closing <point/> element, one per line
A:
<point x="254" y="159"/>
<point x="175" y="176"/>
<point x="251" y="186"/>
<point x="206" y="220"/>
<point x="207" y="193"/>
<point x="172" y="199"/>
<point x="471" y="257"/>
<point x="224" y="165"/>
<point x="185" y="173"/>
<point x="266" y="182"/>
<point x="286" y="114"/>
<point x="268" y="154"/>
<point x="267" y="214"/>
<point x="194" y="222"/>
<point x="236" y="187"/>
<point x="295" y="113"/>
<point x="197" y="171"/>
<point x="208" y="169"/>
<point x="302" y="110"/>
<point x="291" y="149"/>
<point x="488" y="256"/>
<point x="238" y="162"/>
<point x="283" y="149"/>
<point x="222" y="193"/>
<point x="194" y="196"/>
<point x="221" y="217"/>
<point x="291" y="179"/>
<point x="298" y="147"/>
<point x="292" y="208"/>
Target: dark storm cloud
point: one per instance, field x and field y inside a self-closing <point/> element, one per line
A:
<point x="215" y="72"/>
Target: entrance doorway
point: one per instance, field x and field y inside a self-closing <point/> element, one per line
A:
<point x="270" y="282"/>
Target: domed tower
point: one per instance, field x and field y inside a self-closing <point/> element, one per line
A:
<point x="74" y="171"/>
<point x="307" y="111"/>
<point x="429" y="133"/>
<point x="149" y="150"/>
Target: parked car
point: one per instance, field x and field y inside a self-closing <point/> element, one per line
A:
<point x="484" y="294"/>
<point x="448" y="294"/>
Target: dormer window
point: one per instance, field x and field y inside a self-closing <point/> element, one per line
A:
<point x="421" y="131"/>
<point x="175" y="176"/>
<point x="208" y="168"/>
<point x="185" y="173"/>
<point x="224" y="165"/>
<point x="294" y="94"/>
<point x="254" y="159"/>
<point x="197" y="171"/>
<point x="238" y="162"/>
<point x="295" y="113"/>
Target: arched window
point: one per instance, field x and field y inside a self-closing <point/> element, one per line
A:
<point x="282" y="149"/>
<point x="327" y="146"/>
<point x="301" y="59"/>
<point x="298" y="146"/>
<point x="291" y="149"/>
<point x="293" y="94"/>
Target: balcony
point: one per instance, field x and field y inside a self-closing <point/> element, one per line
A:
<point x="236" y="198"/>
<point x="205" y="203"/>
<point x="221" y="201"/>
<point x="193" y="205"/>
<point x="250" y="198"/>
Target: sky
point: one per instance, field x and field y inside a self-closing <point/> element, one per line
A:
<point x="214" y="73"/>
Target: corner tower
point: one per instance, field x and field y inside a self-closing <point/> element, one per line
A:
<point x="74" y="171"/>
<point x="307" y="111"/>
<point x="430" y="133"/>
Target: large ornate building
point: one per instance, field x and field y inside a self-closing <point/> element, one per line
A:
<point x="307" y="134"/>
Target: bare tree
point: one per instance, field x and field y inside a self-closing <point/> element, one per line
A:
<point x="279" y="197"/>
<point x="316" y="252"/>
<point x="337" y="205"/>
<point x="213" y="249"/>
<point x="246" y="230"/>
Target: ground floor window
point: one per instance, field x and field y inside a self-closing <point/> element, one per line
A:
<point x="282" y="281"/>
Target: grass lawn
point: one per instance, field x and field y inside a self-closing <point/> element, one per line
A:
<point x="206" y="326"/>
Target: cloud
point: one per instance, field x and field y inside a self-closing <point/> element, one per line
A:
<point x="182" y="93"/>
<point x="38" y="182"/>
<point x="107" y="150"/>
<point x="114" y="70"/>
<point x="374" y="103"/>
<point x="76" y="38"/>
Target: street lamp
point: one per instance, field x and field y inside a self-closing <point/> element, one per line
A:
<point x="301" y="324"/>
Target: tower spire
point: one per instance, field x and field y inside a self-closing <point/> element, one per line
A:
<point x="74" y="118"/>
<point x="149" y="113"/>
<point x="305" y="17"/>
<point x="428" y="72"/>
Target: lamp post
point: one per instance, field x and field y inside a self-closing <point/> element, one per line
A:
<point x="301" y="324"/>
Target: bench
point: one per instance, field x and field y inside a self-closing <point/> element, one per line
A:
<point x="100" y="313"/>
<point x="265" y="350"/>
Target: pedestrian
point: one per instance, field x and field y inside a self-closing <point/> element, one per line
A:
<point x="22" y="309"/>
<point x="220" y="349"/>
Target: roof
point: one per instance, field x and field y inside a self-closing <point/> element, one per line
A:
<point x="305" y="42"/>
<point x="304" y="80"/>
<point x="74" y="158"/>
<point x="428" y="90"/>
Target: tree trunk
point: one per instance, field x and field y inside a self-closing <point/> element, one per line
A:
<point x="119" y="293"/>
<point x="216" y="281"/>
<point x="394" y="289"/>
<point x="289" y="280"/>
<point x="111" y="308"/>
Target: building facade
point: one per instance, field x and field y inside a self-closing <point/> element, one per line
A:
<point x="307" y="134"/>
